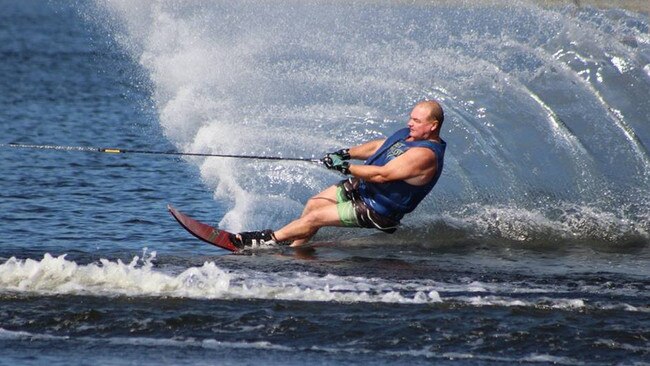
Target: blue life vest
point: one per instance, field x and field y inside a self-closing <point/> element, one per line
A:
<point x="394" y="199"/>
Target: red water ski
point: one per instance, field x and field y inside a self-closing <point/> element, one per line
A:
<point x="205" y="232"/>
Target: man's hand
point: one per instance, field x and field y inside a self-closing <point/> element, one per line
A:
<point x="343" y="154"/>
<point x="336" y="161"/>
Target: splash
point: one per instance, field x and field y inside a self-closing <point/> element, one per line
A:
<point x="57" y="275"/>
<point x="140" y="278"/>
<point x="545" y="107"/>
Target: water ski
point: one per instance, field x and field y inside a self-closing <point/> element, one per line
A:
<point x="205" y="232"/>
<point x="221" y="238"/>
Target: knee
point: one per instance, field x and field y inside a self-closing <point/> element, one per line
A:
<point x="317" y="202"/>
<point x="312" y="220"/>
<point x="311" y="204"/>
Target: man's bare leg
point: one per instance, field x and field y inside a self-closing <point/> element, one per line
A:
<point x="325" y="198"/>
<point x="307" y="225"/>
<point x="301" y="230"/>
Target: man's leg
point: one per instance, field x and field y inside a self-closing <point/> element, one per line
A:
<point x="319" y="211"/>
<point x="307" y="225"/>
<point x="311" y="219"/>
<point x="325" y="198"/>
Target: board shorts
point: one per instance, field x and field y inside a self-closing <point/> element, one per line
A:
<point x="353" y="212"/>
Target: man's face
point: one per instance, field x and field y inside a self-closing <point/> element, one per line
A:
<point x="420" y="125"/>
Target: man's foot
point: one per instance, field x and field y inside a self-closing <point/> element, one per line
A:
<point x="250" y="238"/>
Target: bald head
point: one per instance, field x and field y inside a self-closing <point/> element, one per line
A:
<point x="435" y="110"/>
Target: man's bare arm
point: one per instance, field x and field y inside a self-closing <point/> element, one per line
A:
<point x="417" y="166"/>
<point x="364" y="151"/>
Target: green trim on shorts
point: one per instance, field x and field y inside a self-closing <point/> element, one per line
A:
<point x="340" y="194"/>
<point x="347" y="214"/>
<point x="345" y="208"/>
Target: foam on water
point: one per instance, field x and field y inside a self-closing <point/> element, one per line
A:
<point x="453" y="356"/>
<point x="544" y="107"/>
<point x="182" y="342"/>
<point x="144" y="341"/>
<point x="57" y="276"/>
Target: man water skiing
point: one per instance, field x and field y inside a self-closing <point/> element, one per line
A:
<point x="397" y="174"/>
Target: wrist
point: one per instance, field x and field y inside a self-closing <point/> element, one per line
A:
<point x="345" y="168"/>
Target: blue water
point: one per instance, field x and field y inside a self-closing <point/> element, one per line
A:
<point x="534" y="247"/>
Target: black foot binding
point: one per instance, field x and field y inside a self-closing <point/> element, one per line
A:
<point x="250" y="238"/>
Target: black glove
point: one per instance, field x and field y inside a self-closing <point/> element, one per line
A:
<point x="335" y="161"/>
